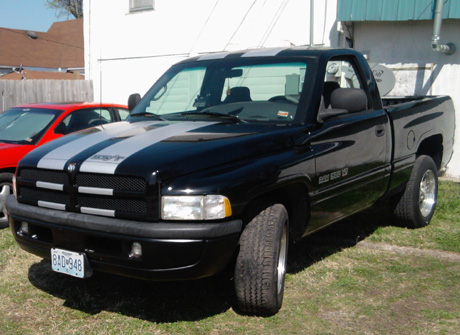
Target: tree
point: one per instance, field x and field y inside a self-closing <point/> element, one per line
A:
<point x="67" y="7"/>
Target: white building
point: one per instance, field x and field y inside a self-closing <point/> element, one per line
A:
<point x="398" y="34"/>
<point x="128" y="48"/>
<point x="130" y="43"/>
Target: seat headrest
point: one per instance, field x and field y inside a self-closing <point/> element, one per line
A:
<point x="238" y="94"/>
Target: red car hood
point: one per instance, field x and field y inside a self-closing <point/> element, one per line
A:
<point x="5" y="146"/>
<point x="10" y="154"/>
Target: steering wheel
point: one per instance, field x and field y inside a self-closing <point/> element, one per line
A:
<point x="283" y="98"/>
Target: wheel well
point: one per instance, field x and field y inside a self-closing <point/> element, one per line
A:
<point x="8" y="170"/>
<point x="295" y="199"/>
<point x="432" y="146"/>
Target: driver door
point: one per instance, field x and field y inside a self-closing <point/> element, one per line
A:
<point x="351" y="153"/>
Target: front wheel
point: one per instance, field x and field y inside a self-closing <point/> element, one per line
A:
<point x="261" y="263"/>
<point x="418" y="202"/>
<point x="6" y="188"/>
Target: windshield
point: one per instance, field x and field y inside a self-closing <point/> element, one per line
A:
<point x="25" y="125"/>
<point x="229" y="89"/>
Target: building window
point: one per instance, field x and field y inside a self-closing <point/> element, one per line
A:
<point x="140" y="5"/>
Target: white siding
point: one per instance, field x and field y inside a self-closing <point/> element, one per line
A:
<point x="126" y="52"/>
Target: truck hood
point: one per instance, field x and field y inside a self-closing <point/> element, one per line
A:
<point x="167" y="149"/>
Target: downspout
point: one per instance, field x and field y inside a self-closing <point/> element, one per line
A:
<point x="312" y="23"/>
<point x="448" y="48"/>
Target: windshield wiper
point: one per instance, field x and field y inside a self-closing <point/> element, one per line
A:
<point x="150" y="115"/>
<point x="215" y="114"/>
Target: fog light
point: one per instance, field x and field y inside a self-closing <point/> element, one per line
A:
<point x="24" y="229"/>
<point x="136" y="250"/>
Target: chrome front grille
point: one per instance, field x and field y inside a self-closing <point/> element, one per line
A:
<point x="107" y="195"/>
<point x="35" y="195"/>
<point x="134" y="206"/>
<point x="58" y="177"/>
<point x="119" y="183"/>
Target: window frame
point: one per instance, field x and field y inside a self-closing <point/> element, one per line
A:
<point x="359" y="75"/>
<point x="135" y="8"/>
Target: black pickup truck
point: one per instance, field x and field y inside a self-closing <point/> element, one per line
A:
<point x="225" y="161"/>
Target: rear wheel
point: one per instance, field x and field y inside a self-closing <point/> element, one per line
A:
<point x="6" y="188"/>
<point x="418" y="202"/>
<point x="261" y="263"/>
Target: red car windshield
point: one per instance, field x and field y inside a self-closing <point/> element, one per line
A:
<point x="25" y="125"/>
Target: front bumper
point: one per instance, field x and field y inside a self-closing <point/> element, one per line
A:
<point x="170" y="251"/>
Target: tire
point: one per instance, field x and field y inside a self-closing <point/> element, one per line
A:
<point x="6" y="180"/>
<point x="261" y="263"/>
<point x="418" y="202"/>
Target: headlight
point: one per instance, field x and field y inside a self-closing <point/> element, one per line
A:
<point x="208" y="207"/>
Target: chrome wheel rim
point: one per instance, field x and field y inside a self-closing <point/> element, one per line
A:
<point x="4" y="193"/>
<point x="427" y="195"/>
<point x="282" y="260"/>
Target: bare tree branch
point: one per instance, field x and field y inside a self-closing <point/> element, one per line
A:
<point x="67" y="7"/>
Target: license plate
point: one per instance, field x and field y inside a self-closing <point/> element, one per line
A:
<point x="68" y="262"/>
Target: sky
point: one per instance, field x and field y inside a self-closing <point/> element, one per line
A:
<point x="27" y="15"/>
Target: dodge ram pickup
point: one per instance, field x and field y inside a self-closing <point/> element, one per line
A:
<point x="224" y="162"/>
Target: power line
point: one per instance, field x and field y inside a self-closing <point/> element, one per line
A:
<point x="202" y="28"/>
<point x="273" y="22"/>
<point x="43" y="38"/>
<point x="241" y="23"/>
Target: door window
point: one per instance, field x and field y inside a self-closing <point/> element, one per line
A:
<point x="343" y="73"/>
<point x="85" y="118"/>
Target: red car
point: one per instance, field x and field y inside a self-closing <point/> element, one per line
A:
<point x="24" y="128"/>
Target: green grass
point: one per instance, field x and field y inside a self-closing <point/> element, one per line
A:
<point x="444" y="229"/>
<point x="334" y="286"/>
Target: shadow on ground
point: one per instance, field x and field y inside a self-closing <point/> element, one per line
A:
<point x="341" y="235"/>
<point x="146" y="300"/>
<point x="190" y="300"/>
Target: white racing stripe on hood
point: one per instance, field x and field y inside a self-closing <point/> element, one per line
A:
<point x="57" y="158"/>
<point x="108" y="159"/>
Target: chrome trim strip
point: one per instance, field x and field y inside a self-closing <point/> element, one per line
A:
<point x="95" y="190"/>
<point x="50" y="186"/>
<point x="97" y="211"/>
<point x="52" y="205"/>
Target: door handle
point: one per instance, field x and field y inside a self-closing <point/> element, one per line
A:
<point x="379" y="131"/>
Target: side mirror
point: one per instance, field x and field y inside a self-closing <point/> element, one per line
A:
<point x="344" y="101"/>
<point x="325" y="114"/>
<point x="352" y="99"/>
<point x="133" y="100"/>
